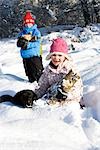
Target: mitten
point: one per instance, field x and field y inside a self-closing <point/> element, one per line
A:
<point x="61" y="95"/>
<point x="27" y="36"/>
<point x="22" y="43"/>
<point x="33" y="39"/>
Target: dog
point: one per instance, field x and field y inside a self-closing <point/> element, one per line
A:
<point x="22" y="98"/>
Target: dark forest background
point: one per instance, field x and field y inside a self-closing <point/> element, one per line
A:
<point x="47" y="13"/>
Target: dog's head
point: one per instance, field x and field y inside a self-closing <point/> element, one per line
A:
<point x="25" y="98"/>
<point x="70" y="79"/>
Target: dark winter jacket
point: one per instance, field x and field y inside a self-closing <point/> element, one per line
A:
<point x="29" y="48"/>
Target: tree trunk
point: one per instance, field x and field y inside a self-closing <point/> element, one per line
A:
<point x="85" y="12"/>
<point x="96" y="11"/>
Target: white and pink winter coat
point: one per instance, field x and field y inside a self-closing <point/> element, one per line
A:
<point x="51" y="76"/>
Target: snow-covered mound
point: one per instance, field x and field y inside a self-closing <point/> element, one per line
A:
<point x="52" y="127"/>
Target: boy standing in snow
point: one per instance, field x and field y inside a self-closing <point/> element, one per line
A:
<point x="29" y="40"/>
<point x="61" y="71"/>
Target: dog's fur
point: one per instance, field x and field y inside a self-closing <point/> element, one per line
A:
<point x="58" y="92"/>
<point x="22" y="98"/>
<point x="69" y="80"/>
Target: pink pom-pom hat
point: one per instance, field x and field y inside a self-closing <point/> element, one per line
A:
<point x="59" y="46"/>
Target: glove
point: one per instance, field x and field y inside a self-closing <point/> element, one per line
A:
<point x="61" y="95"/>
<point x="34" y="38"/>
<point x="22" y="42"/>
<point x="28" y="37"/>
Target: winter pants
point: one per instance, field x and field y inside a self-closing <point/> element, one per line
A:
<point x="33" y="68"/>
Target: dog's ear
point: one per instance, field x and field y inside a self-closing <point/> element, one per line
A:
<point x="31" y="93"/>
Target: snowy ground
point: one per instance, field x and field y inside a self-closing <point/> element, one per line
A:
<point x="52" y="128"/>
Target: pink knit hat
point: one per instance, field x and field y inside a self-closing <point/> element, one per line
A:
<point x="59" y="46"/>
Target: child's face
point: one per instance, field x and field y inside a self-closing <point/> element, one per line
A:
<point x="29" y="25"/>
<point x="57" y="59"/>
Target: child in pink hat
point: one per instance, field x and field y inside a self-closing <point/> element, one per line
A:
<point x="59" y="46"/>
<point x="56" y="72"/>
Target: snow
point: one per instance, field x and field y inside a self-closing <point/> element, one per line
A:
<point x="52" y="127"/>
